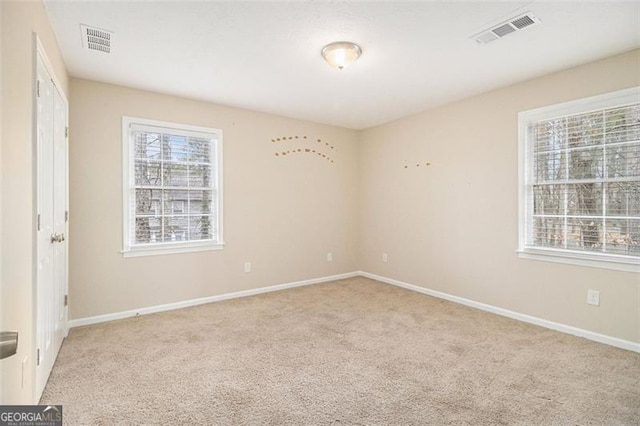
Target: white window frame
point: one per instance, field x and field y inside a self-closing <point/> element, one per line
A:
<point x="597" y="260"/>
<point x="148" y="249"/>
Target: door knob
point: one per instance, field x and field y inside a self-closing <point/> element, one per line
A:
<point x="8" y="343"/>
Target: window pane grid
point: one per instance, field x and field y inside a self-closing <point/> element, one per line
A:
<point x="609" y="144"/>
<point x="585" y="217"/>
<point x="173" y="190"/>
<point x="597" y="180"/>
<point x="584" y="189"/>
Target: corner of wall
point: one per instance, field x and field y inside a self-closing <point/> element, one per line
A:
<point x="360" y="140"/>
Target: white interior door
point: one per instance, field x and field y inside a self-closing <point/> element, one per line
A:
<point x="51" y="288"/>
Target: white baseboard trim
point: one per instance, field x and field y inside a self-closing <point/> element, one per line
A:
<point x="590" y="335"/>
<point x="194" y="302"/>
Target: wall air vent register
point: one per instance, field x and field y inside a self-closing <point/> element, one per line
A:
<point x="505" y="28"/>
<point x="96" y="39"/>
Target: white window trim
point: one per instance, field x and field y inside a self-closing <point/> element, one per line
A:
<point x="585" y="105"/>
<point x="177" y="247"/>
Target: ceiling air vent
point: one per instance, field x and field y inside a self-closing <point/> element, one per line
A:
<point x="96" y="39"/>
<point x="503" y="29"/>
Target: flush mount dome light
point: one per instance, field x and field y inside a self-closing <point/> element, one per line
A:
<point x="341" y="54"/>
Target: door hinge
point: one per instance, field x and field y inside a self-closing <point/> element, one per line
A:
<point x="38" y="357"/>
<point x="66" y="215"/>
<point x="66" y="132"/>
<point x="38" y="88"/>
<point x="66" y="300"/>
<point x="38" y="222"/>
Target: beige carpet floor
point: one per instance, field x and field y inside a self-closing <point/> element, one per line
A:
<point x="350" y="352"/>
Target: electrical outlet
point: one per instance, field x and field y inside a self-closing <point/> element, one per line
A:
<point x="385" y="257"/>
<point x="329" y="257"/>
<point x="247" y="266"/>
<point x="593" y="297"/>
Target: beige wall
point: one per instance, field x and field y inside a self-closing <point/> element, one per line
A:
<point x="281" y="213"/>
<point x="453" y="226"/>
<point x="19" y="21"/>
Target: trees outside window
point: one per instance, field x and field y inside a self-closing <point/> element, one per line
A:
<point x="580" y="180"/>
<point x="173" y="188"/>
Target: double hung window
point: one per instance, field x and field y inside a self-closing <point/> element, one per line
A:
<point x="580" y="181"/>
<point x="172" y="187"/>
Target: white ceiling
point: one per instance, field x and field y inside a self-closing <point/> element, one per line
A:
<point x="265" y="56"/>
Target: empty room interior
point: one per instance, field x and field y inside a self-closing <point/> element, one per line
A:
<point x="320" y="212"/>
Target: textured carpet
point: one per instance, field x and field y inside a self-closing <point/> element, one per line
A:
<point x="355" y="352"/>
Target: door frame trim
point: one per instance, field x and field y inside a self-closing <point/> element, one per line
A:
<point x="38" y="50"/>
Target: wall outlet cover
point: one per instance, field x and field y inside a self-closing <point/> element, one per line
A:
<point x="593" y="297"/>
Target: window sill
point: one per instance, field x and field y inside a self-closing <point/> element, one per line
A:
<point x="159" y="249"/>
<point x="617" y="263"/>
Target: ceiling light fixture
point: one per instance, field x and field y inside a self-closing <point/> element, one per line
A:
<point x="341" y="54"/>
